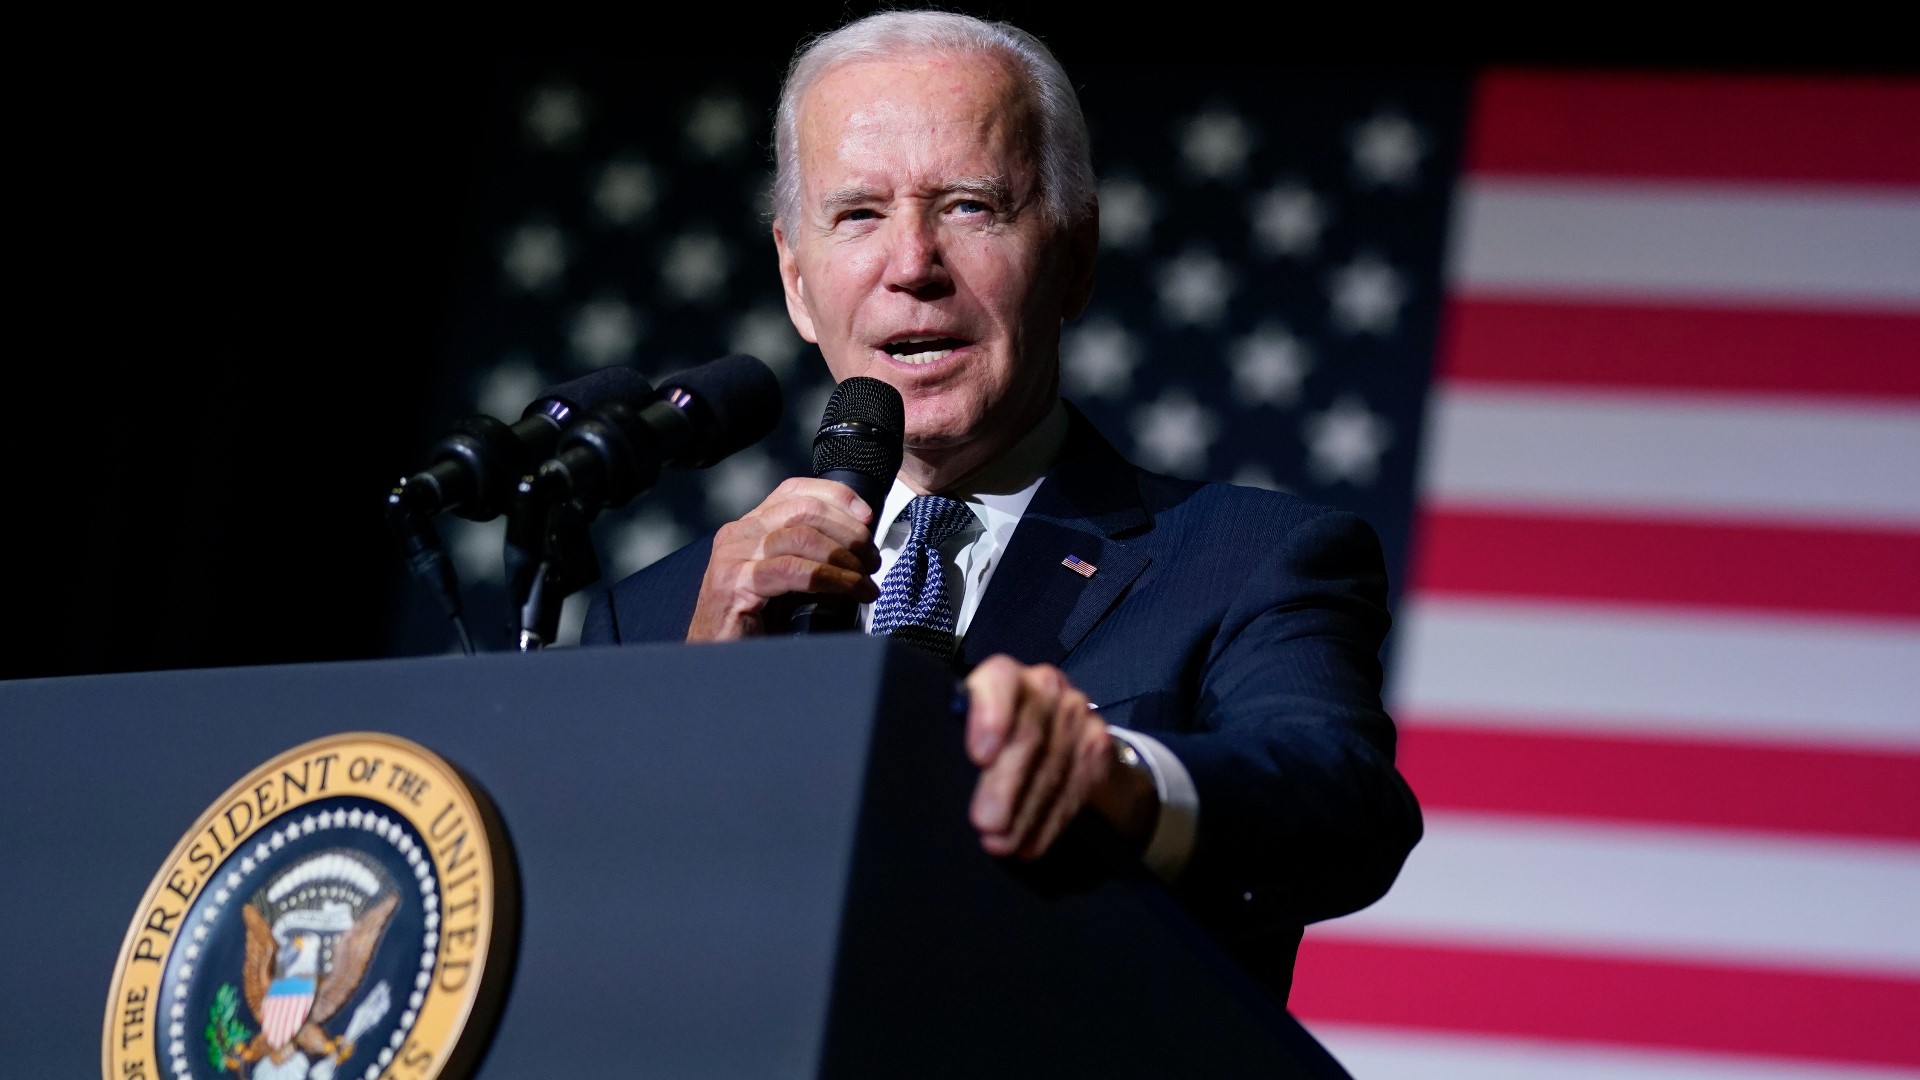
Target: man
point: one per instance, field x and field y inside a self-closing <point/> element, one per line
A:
<point x="1198" y="664"/>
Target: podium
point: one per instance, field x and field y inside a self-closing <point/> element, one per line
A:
<point x="747" y="860"/>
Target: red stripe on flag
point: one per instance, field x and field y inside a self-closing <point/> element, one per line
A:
<point x="1681" y="127"/>
<point x="1808" y="569"/>
<point x="1719" y="349"/>
<point x="1745" y="1010"/>
<point x="1668" y="781"/>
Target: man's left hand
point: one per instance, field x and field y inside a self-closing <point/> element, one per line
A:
<point x="1043" y="755"/>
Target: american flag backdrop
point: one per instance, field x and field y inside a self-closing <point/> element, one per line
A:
<point x="1624" y="368"/>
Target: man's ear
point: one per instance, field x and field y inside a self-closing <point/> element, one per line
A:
<point x="1083" y="243"/>
<point x="795" y="288"/>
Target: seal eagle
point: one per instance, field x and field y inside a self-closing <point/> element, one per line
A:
<point x="278" y="978"/>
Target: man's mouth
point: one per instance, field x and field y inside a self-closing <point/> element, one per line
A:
<point x="920" y="349"/>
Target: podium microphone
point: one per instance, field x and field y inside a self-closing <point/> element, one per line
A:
<point x="474" y="472"/>
<point x="474" y="469"/>
<point x="859" y="445"/>
<point x="698" y="417"/>
<point x="613" y="454"/>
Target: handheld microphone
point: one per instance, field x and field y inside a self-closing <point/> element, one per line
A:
<point x="698" y="417"/>
<point x="474" y="469"/>
<point x="860" y="445"/>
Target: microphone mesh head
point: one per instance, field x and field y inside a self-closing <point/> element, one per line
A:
<point x="870" y="402"/>
<point x="863" y="400"/>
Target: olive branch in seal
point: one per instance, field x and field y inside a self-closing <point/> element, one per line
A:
<point x="225" y="1033"/>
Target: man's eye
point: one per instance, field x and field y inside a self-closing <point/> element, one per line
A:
<point x="972" y="206"/>
<point x="862" y="214"/>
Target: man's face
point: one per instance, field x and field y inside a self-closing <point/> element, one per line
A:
<point x="921" y="253"/>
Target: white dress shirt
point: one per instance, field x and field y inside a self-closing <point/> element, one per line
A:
<point x="998" y="497"/>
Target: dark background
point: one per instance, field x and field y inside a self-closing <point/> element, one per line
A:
<point x="244" y="245"/>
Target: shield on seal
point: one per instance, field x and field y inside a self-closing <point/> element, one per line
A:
<point x="286" y="1006"/>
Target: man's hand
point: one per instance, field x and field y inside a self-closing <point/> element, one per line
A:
<point x="1043" y="755"/>
<point x="809" y="536"/>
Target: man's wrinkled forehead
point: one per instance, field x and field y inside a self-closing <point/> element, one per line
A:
<point x="861" y="107"/>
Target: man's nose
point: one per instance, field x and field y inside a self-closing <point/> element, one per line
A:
<point x="915" y="261"/>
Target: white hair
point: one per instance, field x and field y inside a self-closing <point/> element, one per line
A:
<point x="1061" y="144"/>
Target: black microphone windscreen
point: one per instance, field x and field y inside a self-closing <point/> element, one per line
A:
<point x="869" y="402"/>
<point x="587" y="391"/>
<point x="742" y="397"/>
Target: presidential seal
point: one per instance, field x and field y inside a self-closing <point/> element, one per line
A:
<point x="348" y="910"/>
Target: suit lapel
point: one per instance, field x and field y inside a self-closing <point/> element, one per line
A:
<point x="1037" y="609"/>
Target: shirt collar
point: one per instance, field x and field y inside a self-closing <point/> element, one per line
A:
<point x="1000" y="493"/>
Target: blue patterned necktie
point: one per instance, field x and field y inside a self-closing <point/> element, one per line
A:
<point x="914" y="606"/>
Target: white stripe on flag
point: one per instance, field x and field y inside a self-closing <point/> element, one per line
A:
<point x="1653" y="892"/>
<point x="1833" y="247"/>
<point x="1371" y="1053"/>
<point x="1694" y="454"/>
<point x="1592" y="667"/>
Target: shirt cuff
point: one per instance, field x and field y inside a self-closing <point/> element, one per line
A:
<point x="1172" y="842"/>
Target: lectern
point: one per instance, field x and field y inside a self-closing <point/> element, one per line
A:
<point x="748" y="860"/>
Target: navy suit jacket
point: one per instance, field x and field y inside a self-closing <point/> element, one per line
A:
<point x="1239" y="627"/>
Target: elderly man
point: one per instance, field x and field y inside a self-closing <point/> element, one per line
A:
<point x="1198" y="664"/>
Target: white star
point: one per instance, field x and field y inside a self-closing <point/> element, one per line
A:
<point x="507" y="387"/>
<point x="1194" y="288"/>
<point x="1367" y="294"/>
<point x="1172" y="434"/>
<point x="247" y="865"/>
<point x="1256" y="474"/>
<point x="1126" y="213"/>
<point x="1386" y="151"/>
<point x="1345" y="442"/>
<point x="604" y="332"/>
<point x="535" y="256"/>
<point x="556" y="114"/>
<point x="644" y="540"/>
<point x="1097" y="358"/>
<point x="1269" y="366"/>
<point x="737" y="484"/>
<point x="626" y="192"/>
<point x="1215" y="145"/>
<point x="717" y="125"/>
<point x="1288" y="220"/>
<point x="695" y="266"/>
<point x="767" y="333"/>
<point x="476" y="547"/>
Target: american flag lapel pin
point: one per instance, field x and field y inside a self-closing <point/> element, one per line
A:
<point x="1079" y="565"/>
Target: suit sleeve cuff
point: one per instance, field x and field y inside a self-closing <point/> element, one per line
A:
<point x="1172" y="842"/>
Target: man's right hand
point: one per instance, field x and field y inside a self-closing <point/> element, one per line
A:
<point x="809" y="536"/>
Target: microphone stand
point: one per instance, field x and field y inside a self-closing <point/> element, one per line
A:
<point x="549" y="556"/>
<point x="426" y="559"/>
